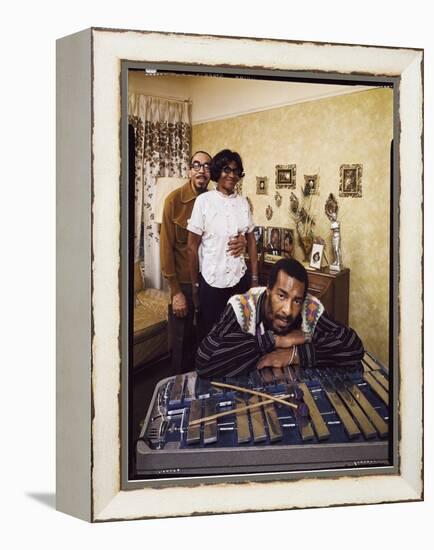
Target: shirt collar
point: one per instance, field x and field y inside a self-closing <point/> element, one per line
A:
<point x="233" y="196"/>
<point x="187" y="193"/>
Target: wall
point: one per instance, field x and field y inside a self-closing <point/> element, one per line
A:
<point x="318" y="137"/>
<point x="217" y="98"/>
<point x="175" y="86"/>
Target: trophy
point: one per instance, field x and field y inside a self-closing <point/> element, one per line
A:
<point x="331" y="210"/>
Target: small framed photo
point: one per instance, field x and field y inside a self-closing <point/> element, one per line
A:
<point x="259" y="237"/>
<point x="273" y="243"/>
<point x="287" y="242"/>
<point x="285" y="176"/>
<point x="311" y="186"/>
<point x="261" y="185"/>
<point x="316" y="255"/>
<point x="350" y="180"/>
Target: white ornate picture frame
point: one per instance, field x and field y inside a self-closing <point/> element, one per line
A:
<point x="91" y="458"/>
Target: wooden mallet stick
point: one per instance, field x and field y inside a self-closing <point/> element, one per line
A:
<point x="232" y="411"/>
<point x="258" y="393"/>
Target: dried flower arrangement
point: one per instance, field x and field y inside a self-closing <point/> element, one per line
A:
<point x="301" y="213"/>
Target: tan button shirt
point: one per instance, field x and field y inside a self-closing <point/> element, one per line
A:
<point x="173" y="236"/>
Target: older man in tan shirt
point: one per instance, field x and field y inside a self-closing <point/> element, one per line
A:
<point x="174" y="262"/>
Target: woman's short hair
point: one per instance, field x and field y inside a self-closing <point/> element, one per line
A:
<point x="222" y="159"/>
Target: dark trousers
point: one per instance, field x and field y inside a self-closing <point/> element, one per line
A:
<point x="213" y="300"/>
<point x="182" y="336"/>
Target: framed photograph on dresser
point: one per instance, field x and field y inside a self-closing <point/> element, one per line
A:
<point x="120" y="458"/>
<point x="316" y="255"/>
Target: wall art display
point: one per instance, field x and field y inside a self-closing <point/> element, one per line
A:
<point x="285" y="176"/>
<point x="261" y="185"/>
<point x="311" y="185"/>
<point x="350" y="180"/>
<point x="278" y="199"/>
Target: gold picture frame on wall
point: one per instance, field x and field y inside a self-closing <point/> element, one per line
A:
<point x="350" y="184"/>
<point x="261" y="185"/>
<point x="285" y="176"/>
<point x="311" y="185"/>
<point x="93" y="478"/>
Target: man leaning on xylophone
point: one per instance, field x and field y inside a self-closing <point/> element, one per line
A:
<point x="276" y="326"/>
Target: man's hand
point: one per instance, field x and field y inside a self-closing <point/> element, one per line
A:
<point x="237" y="245"/>
<point x="278" y="358"/>
<point x="293" y="338"/>
<point x="179" y="305"/>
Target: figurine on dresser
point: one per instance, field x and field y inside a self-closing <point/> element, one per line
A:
<point x="331" y="211"/>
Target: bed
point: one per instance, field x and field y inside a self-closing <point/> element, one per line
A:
<point x="150" y="323"/>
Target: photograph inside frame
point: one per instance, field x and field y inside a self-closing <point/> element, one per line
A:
<point x="243" y="358"/>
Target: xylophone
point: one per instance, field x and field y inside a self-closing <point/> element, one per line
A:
<point x="336" y="418"/>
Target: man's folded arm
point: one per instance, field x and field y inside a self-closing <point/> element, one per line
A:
<point x="228" y="351"/>
<point x="332" y="344"/>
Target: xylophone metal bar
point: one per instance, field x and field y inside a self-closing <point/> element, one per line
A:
<point x="345" y="417"/>
<point x="366" y="426"/>
<point x="376" y="387"/>
<point x="380" y="425"/>
<point x="274" y="429"/>
<point x="256" y="417"/>
<point x="319" y="425"/>
<point x="193" y="432"/>
<point x="210" y="427"/>
<point x="242" y="419"/>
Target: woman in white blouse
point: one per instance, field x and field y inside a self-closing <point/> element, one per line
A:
<point x="217" y="217"/>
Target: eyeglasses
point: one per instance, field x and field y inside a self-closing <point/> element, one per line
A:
<point x="235" y="171"/>
<point x="196" y="166"/>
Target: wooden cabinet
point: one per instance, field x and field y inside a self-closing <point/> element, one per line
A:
<point x="333" y="289"/>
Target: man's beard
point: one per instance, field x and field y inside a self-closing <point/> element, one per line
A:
<point x="200" y="185"/>
<point x="292" y="324"/>
<point x="269" y="318"/>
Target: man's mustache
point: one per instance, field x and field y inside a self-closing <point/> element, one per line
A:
<point x="288" y="320"/>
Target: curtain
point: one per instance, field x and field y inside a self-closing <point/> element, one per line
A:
<point x="162" y="130"/>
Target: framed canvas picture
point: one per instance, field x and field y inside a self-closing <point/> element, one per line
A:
<point x="132" y="441"/>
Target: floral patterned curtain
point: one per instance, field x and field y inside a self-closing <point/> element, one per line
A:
<point x="162" y="131"/>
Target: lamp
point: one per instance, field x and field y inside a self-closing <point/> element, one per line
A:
<point x="163" y="187"/>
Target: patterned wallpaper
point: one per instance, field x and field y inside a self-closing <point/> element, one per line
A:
<point x="318" y="137"/>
